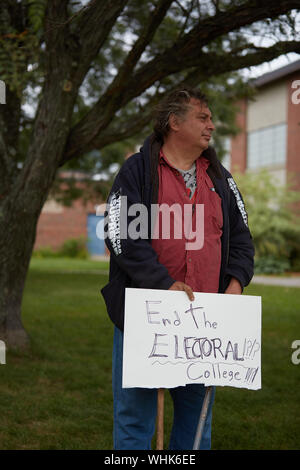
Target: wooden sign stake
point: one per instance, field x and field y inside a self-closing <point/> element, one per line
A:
<point x="160" y="419"/>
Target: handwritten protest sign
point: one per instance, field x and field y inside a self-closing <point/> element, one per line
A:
<point x="170" y="341"/>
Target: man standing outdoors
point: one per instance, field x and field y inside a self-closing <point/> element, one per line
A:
<point x="175" y="165"/>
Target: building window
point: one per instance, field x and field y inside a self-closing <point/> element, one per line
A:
<point x="267" y="147"/>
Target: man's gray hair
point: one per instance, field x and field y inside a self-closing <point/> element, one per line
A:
<point x="175" y="103"/>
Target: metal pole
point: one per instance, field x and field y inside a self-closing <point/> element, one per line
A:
<point x="160" y="419"/>
<point x="202" y="418"/>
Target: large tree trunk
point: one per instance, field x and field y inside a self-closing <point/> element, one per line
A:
<point x="22" y="202"/>
<point x="19" y="214"/>
<point x="21" y="206"/>
<point x="21" y="211"/>
<point x="15" y="253"/>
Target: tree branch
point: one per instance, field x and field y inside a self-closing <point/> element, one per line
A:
<point x="117" y="133"/>
<point x="79" y="37"/>
<point x="56" y="12"/>
<point x="92" y="29"/>
<point x="230" y="62"/>
<point x="145" y="37"/>
<point x="221" y="63"/>
<point x="109" y="102"/>
<point x="185" y="53"/>
<point x="209" y="65"/>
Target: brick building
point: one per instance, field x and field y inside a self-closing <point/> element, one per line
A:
<point x="270" y="126"/>
<point x="58" y="223"/>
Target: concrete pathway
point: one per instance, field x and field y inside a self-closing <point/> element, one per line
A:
<point x="291" y="281"/>
<point x="277" y="281"/>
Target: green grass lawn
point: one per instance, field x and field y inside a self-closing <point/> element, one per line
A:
<point x="58" y="395"/>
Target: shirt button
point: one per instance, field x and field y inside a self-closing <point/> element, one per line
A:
<point x="190" y="260"/>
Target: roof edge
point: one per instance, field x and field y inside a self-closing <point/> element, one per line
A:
<point x="277" y="74"/>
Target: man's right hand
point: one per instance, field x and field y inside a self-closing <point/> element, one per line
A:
<point x="182" y="286"/>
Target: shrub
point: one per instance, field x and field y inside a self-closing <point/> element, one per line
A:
<point x="271" y="265"/>
<point x="45" y="252"/>
<point x="273" y="219"/>
<point x="74" y="248"/>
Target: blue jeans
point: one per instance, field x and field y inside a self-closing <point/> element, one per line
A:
<point x="135" y="411"/>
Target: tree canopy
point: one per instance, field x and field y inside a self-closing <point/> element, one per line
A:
<point x="115" y="59"/>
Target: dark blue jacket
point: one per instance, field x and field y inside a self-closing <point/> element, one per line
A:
<point x="134" y="263"/>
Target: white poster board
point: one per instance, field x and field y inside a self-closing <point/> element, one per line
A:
<point x="170" y="341"/>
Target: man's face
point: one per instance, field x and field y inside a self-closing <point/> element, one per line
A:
<point x="196" y="128"/>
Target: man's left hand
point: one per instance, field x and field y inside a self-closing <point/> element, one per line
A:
<point x="234" y="287"/>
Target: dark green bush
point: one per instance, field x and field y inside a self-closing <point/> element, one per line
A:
<point x="72" y="248"/>
<point x="273" y="221"/>
<point x="45" y="252"/>
<point x="271" y="265"/>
